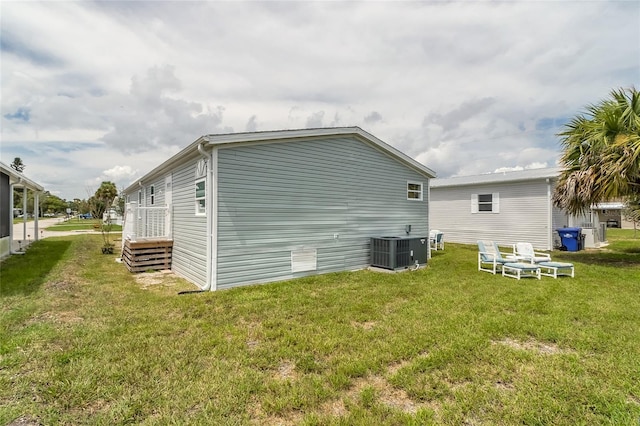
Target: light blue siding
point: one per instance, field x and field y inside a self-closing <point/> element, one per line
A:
<point x="189" y="258"/>
<point x="331" y="195"/>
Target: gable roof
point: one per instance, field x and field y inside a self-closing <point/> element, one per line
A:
<point x="283" y="136"/>
<point x="518" y="176"/>
<point x="18" y="179"/>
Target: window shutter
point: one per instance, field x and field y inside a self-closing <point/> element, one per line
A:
<point x="474" y="203"/>
<point x="496" y="202"/>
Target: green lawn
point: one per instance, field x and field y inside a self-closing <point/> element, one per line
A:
<point x="81" y="225"/>
<point x="83" y="342"/>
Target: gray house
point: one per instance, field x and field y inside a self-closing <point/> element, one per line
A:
<point x="10" y="179"/>
<point x="504" y="207"/>
<point x="266" y="206"/>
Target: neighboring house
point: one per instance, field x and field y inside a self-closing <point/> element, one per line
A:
<point x="10" y="179"/>
<point x="266" y="206"/>
<point x="504" y="207"/>
<point x="113" y="216"/>
<point x="611" y="213"/>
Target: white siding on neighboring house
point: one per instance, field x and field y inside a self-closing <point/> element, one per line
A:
<point x="521" y="213"/>
<point x="560" y="218"/>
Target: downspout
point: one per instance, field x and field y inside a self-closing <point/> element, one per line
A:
<point x="209" y="210"/>
<point x="208" y="156"/>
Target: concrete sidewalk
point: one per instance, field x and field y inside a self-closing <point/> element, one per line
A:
<point x="23" y="238"/>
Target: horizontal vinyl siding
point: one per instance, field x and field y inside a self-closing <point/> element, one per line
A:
<point x="560" y="220"/>
<point x="275" y="198"/>
<point x="189" y="257"/>
<point x="158" y="201"/>
<point x="523" y="214"/>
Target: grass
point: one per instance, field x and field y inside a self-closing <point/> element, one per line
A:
<point x="81" y="225"/>
<point x="82" y="341"/>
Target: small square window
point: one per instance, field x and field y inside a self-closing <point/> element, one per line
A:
<point x="414" y="191"/>
<point x="485" y="202"/>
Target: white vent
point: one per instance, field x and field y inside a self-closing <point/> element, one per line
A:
<point x="304" y="260"/>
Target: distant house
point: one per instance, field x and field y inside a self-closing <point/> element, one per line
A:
<point x="266" y="206"/>
<point x="10" y="179"/>
<point x="504" y="207"/>
<point x="611" y="213"/>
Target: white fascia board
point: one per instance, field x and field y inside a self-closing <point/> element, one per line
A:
<point x="492" y="178"/>
<point x="614" y="205"/>
<point x="19" y="180"/>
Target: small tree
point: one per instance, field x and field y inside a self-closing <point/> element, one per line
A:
<point x="102" y="200"/>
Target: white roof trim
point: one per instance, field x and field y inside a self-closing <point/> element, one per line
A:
<point x="285" y="136"/>
<point x="517" y="176"/>
<point x="614" y="205"/>
<point x="19" y="180"/>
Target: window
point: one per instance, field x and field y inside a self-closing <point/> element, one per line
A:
<point x="485" y="203"/>
<point x="201" y="196"/>
<point x="414" y="191"/>
<point x="139" y="198"/>
<point x="152" y="192"/>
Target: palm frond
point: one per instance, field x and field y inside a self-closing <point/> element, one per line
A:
<point x="601" y="153"/>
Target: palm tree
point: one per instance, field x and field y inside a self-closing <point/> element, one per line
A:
<point x="601" y="157"/>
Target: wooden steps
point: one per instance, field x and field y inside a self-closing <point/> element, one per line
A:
<point x="141" y="256"/>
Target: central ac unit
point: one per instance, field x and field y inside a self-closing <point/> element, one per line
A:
<point x="398" y="252"/>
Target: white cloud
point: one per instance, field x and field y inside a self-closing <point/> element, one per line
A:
<point x="120" y="172"/>
<point x="535" y="165"/>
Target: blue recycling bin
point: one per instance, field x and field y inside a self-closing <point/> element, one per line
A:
<point x="570" y="238"/>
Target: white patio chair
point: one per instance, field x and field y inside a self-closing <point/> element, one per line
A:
<point x="490" y="259"/>
<point x="524" y="252"/>
<point x="436" y="240"/>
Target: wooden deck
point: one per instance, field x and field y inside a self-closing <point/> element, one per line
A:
<point x="141" y="256"/>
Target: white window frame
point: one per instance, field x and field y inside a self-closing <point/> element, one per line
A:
<point x="200" y="209"/>
<point x="152" y="194"/>
<point x="140" y="197"/>
<point x="415" y="191"/>
<point x="495" y="203"/>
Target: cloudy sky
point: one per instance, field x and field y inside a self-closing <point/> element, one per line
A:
<point x="95" y="91"/>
